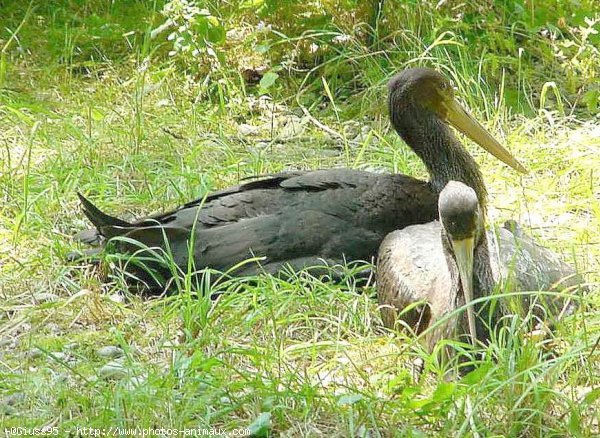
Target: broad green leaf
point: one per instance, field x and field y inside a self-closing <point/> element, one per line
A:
<point x="591" y="99"/>
<point x="349" y="399"/>
<point x="261" y="425"/>
<point x="476" y="376"/>
<point x="443" y="391"/>
<point x="252" y="4"/>
<point x="268" y="80"/>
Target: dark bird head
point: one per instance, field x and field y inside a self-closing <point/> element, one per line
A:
<point x="421" y="103"/>
<point x="462" y="225"/>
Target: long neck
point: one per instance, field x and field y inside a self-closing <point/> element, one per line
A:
<point x="443" y="155"/>
<point x="483" y="285"/>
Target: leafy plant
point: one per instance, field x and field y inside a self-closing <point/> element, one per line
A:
<point x="194" y="34"/>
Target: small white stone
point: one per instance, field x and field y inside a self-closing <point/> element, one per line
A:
<point x="117" y="298"/>
<point x="45" y="297"/>
<point x="245" y="129"/>
<point x="59" y="355"/>
<point x="53" y="328"/>
<point x="113" y="370"/>
<point x="162" y="103"/>
<point x="34" y="353"/>
<point x="110" y="352"/>
<point x="136" y="381"/>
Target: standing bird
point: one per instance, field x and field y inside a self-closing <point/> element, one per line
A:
<point x="306" y="219"/>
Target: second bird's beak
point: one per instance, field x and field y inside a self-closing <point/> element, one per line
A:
<point x="466" y="123"/>
<point x="463" y="250"/>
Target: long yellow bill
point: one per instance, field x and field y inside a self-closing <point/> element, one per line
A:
<point x="466" y="123"/>
<point x="463" y="250"/>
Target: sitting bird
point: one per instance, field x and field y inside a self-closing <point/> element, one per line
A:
<point x="310" y="219"/>
<point x="433" y="264"/>
<point x="426" y="272"/>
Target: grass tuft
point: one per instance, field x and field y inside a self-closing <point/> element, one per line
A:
<point x="90" y="102"/>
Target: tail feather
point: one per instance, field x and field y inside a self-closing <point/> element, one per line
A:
<point x="107" y="225"/>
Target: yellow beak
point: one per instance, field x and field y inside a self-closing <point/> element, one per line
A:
<point x="463" y="250"/>
<point x="465" y="123"/>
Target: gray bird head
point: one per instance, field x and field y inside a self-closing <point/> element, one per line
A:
<point x="459" y="211"/>
<point x="462" y="224"/>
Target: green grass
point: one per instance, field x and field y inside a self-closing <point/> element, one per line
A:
<point x="90" y="104"/>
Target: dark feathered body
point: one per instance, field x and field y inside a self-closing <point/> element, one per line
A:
<point x="296" y="218"/>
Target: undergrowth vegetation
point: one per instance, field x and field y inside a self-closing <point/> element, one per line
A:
<point x="144" y="105"/>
